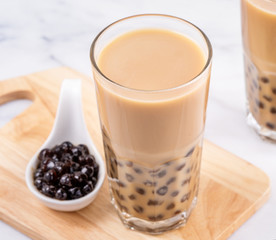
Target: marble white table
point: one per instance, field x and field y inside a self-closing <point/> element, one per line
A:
<point x="36" y="35"/>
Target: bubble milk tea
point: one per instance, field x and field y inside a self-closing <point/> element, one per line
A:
<point x="152" y="135"/>
<point x="259" y="41"/>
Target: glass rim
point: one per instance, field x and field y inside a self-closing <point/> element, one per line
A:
<point x="194" y="79"/>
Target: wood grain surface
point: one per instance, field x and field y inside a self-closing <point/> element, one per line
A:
<point x="231" y="189"/>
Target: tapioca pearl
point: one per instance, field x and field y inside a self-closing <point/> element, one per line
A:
<point x="273" y="110"/>
<point x="156" y="218"/>
<point x="270" y="125"/>
<point x="177" y="212"/>
<point x="162" y="191"/>
<point x="129" y="164"/>
<point x="159" y="217"/>
<point x="138" y="170"/>
<point x="129" y="177"/>
<point x="152" y="202"/>
<point x="149" y="183"/>
<point x="140" y="190"/>
<point x="154" y="172"/>
<point x="264" y="79"/>
<point x="171" y="180"/>
<point x="121" y="184"/>
<point x="186" y="181"/>
<point x="267" y="98"/>
<point x="170" y="206"/>
<point x="132" y="197"/>
<point x="162" y="173"/>
<point x="185" y="197"/>
<point x="259" y="104"/>
<point x="120" y="196"/>
<point x="180" y="167"/>
<point x="174" y="193"/>
<point x="138" y="209"/>
<point x="274" y="91"/>
<point x="124" y="208"/>
<point x="190" y="152"/>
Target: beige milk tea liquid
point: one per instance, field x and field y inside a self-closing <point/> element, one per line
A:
<point x="152" y="147"/>
<point x="259" y="40"/>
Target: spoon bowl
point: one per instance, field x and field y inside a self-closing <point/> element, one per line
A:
<point x="70" y="126"/>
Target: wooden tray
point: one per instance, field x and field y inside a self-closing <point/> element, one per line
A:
<point x="231" y="189"/>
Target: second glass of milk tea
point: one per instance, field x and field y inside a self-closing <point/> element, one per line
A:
<point x="259" y="42"/>
<point x="152" y="75"/>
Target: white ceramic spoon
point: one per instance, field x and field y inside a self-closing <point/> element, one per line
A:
<point x="70" y="126"/>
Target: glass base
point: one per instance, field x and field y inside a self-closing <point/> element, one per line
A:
<point x="263" y="132"/>
<point x="156" y="227"/>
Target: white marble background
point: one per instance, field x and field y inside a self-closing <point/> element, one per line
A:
<point x="36" y="35"/>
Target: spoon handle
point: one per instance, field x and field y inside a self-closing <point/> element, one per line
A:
<point x="69" y="122"/>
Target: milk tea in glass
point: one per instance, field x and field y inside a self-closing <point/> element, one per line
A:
<point x="152" y="74"/>
<point x="259" y="42"/>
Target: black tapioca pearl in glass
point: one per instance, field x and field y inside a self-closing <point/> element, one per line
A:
<point x="270" y="125"/>
<point x="185" y="197"/>
<point x="171" y="180"/>
<point x="138" y="170"/>
<point x="190" y="152"/>
<point x="132" y="197"/>
<point x="162" y="191"/>
<point x="152" y="202"/>
<point x="154" y="171"/>
<point x="273" y="110"/>
<point x="129" y="177"/>
<point x="129" y="164"/>
<point x="177" y="212"/>
<point x="180" y="167"/>
<point x="174" y="193"/>
<point x="138" y="209"/>
<point x="170" y="206"/>
<point x="264" y="79"/>
<point x="274" y="91"/>
<point x="159" y="217"/>
<point x="121" y="184"/>
<point x="259" y="103"/>
<point x="124" y="208"/>
<point x="267" y="98"/>
<point x="152" y="218"/>
<point x="120" y="196"/>
<point x="149" y="183"/>
<point x="140" y="190"/>
<point x="186" y="181"/>
<point x="162" y="173"/>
